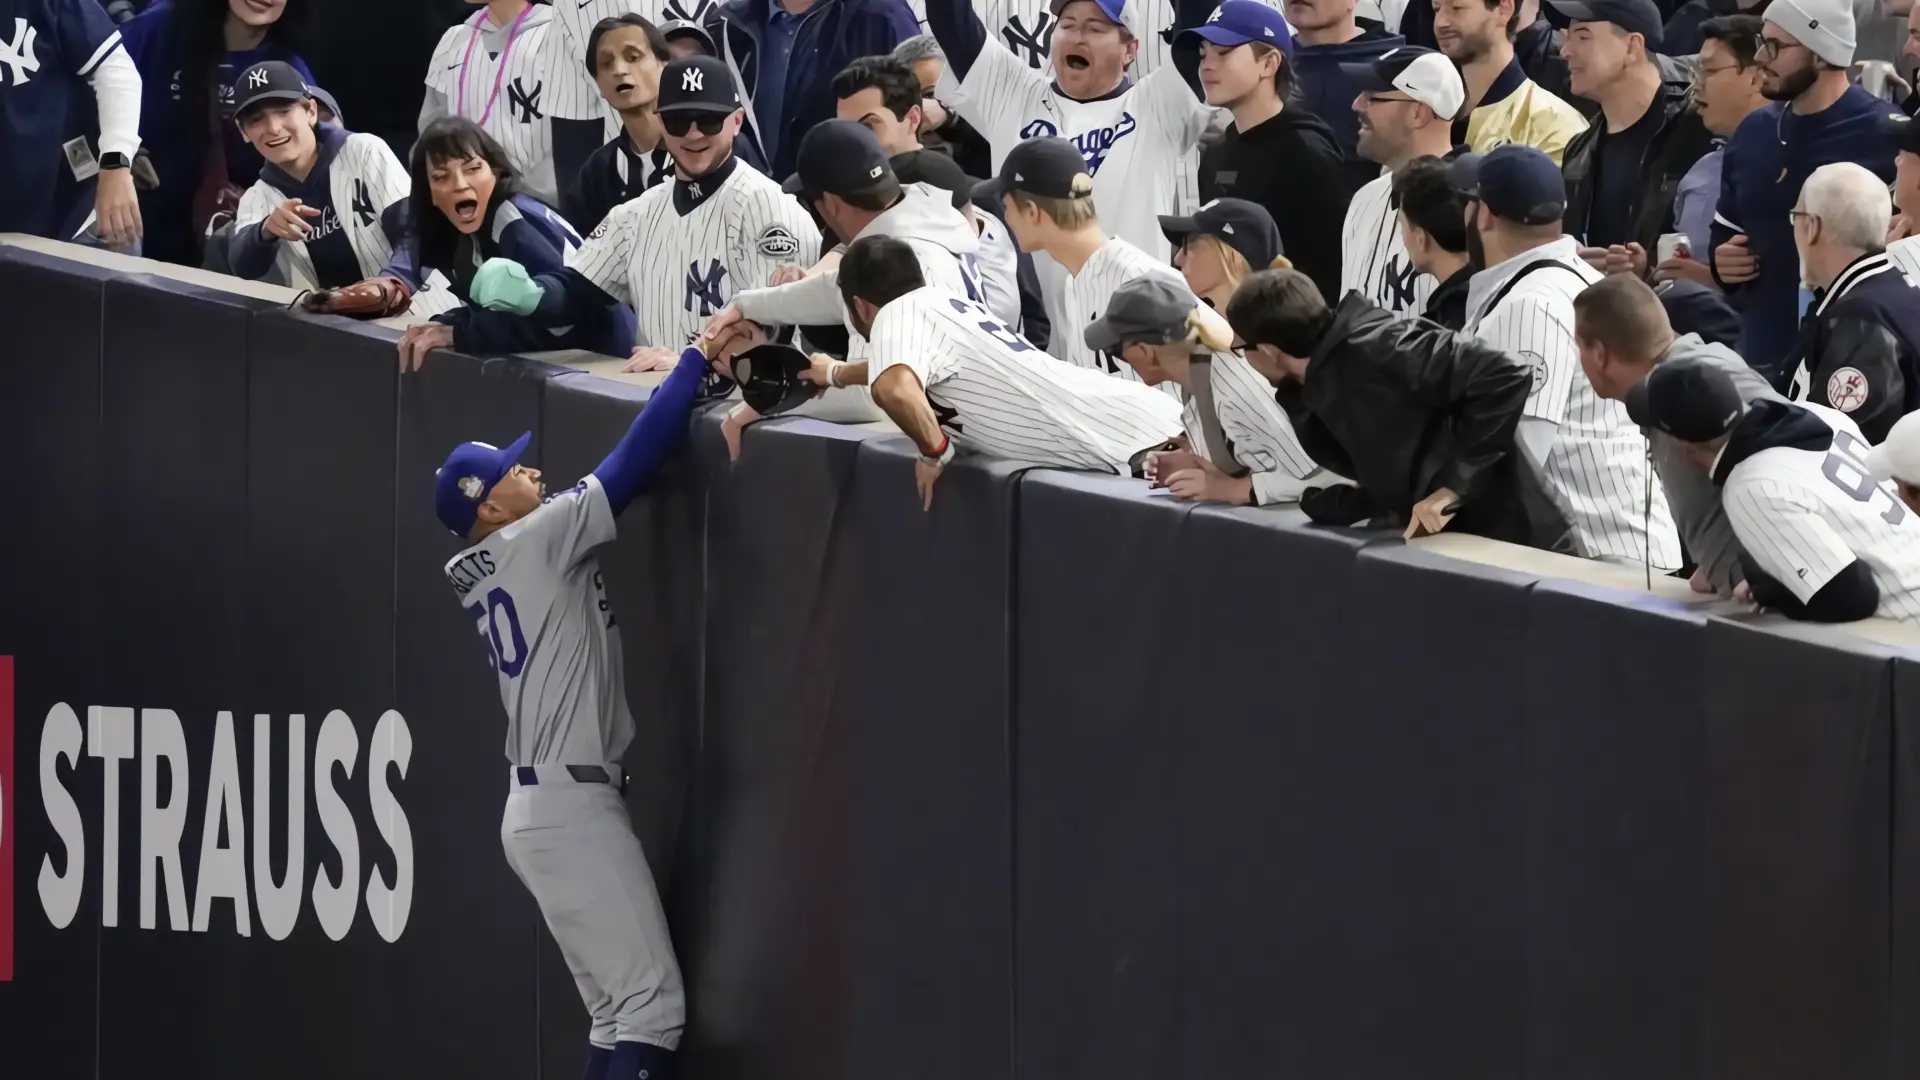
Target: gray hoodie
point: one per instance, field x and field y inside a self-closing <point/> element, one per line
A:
<point x="1691" y="493"/>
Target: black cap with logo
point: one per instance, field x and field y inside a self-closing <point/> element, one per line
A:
<point x="837" y="157"/>
<point x="1634" y="16"/>
<point x="1514" y="182"/>
<point x="268" y="82"/>
<point x="1244" y="226"/>
<point x="1051" y="168"/>
<point x="697" y="84"/>
<point x="1686" y="399"/>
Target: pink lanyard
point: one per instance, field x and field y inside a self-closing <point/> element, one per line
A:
<point x="512" y="35"/>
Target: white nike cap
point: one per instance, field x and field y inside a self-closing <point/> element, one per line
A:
<point x="1898" y="458"/>
<point x="1420" y="73"/>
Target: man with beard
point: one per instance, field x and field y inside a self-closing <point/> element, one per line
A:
<point x="1327" y="38"/>
<point x="1283" y="159"/>
<point x="680" y="251"/>
<point x="1621" y="172"/>
<point x="1506" y="106"/>
<point x="1818" y="117"/>
<point x="1406" y="107"/>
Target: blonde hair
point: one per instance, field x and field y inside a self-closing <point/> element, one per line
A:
<point x="1066" y="213"/>
<point x="1233" y="266"/>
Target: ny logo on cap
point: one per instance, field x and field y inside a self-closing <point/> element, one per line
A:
<point x="693" y="79"/>
<point x="471" y="487"/>
<point x="257" y="78"/>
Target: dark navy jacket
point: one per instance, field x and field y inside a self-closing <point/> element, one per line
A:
<point x="1859" y="346"/>
<point x="832" y="34"/>
<point x="44" y="101"/>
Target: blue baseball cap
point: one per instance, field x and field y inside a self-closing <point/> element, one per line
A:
<point x="463" y="482"/>
<point x="1236" y="22"/>
<point x="1514" y="182"/>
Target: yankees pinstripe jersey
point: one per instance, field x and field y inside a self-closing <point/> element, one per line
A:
<point x="1083" y="297"/>
<point x="999" y="268"/>
<point x="1373" y="254"/>
<point x="1905" y="254"/>
<point x="679" y="252"/>
<point x="996" y="394"/>
<point x="1258" y="430"/>
<point x="1805" y="515"/>
<point x="1597" y="463"/>
<point x="362" y="198"/>
<point x="505" y="93"/>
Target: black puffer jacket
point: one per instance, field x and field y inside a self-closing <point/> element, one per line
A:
<point x="1681" y="141"/>
<point x="1406" y="408"/>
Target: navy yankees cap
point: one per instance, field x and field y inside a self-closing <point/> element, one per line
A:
<point x="933" y="167"/>
<point x="1514" y="182"/>
<point x="697" y="84"/>
<point x="837" y="157"/>
<point x="327" y="102"/>
<point x="1236" y="22"/>
<point x="1902" y="132"/>
<point x="770" y="378"/>
<point x="1245" y="227"/>
<point x="1051" y="168"/>
<point x="1687" y="399"/>
<point x="1634" y="16"/>
<point x="463" y="482"/>
<point x="681" y="28"/>
<point x="269" y="81"/>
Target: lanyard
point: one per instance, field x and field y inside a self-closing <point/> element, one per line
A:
<point x="512" y="36"/>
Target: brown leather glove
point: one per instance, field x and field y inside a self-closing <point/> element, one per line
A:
<point x="374" y="298"/>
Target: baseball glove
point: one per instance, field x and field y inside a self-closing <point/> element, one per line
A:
<point x="374" y="298"/>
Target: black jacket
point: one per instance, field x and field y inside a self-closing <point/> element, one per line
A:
<point x="1447" y="305"/>
<point x="1681" y="141"/>
<point x="1859" y="347"/>
<point x="1404" y="408"/>
<point x="1291" y="166"/>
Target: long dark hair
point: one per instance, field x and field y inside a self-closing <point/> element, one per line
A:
<point x="451" y="138"/>
<point x="196" y="39"/>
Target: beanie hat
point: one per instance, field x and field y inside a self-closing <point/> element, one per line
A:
<point x="1823" y="26"/>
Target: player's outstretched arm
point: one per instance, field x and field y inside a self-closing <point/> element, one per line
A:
<point x="899" y="394"/>
<point x="656" y="433"/>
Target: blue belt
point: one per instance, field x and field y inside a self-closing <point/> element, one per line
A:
<point x="585" y="774"/>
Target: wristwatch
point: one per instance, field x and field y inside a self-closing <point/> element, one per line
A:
<point x="115" y="160"/>
<point x="942" y="456"/>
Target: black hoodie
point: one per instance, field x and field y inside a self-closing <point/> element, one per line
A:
<point x="1849" y="595"/>
<point x="1291" y="166"/>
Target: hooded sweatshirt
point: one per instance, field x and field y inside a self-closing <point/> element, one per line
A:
<point x="1328" y="94"/>
<point x="1292" y="166"/>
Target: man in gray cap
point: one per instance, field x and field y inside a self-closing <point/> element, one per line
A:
<point x="1243" y="447"/>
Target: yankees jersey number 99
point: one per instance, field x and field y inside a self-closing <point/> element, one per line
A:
<point x="534" y="593"/>
<point x="997" y="394"/>
<point x="506" y="93"/>
<point x="677" y="265"/>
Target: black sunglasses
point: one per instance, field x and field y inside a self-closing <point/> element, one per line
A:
<point x="678" y="125"/>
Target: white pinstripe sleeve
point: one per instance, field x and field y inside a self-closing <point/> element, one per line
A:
<point x="771" y="222"/>
<point x="385" y="176"/>
<point x="1174" y="107"/>
<point x="905" y="335"/>
<point x="1784" y="535"/>
<point x="442" y="70"/>
<point x="604" y="257"/>
<point x="1526" y="328"/>
<point x="575" y="97"/>
<point x="998" y="88"/>
<point x="256" y="205"/>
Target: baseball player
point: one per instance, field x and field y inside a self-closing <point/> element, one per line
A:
<point x="530" y="582"/>
<point x="492" y="69"/>
<point x="1048" y="198"/>
<point x="329" y="204"/>
<point x="680" y="251"/>
<point x="474" y="212"/>
<point x="1244" y="450"/>
<point x="1522" y="303"/>
<point x="948" y="373"/>
<point x="1134" y="137"/>
<point x="1824" y="540"/>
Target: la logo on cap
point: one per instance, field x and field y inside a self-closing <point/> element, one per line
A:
<point x="693" y="79"/>
<point x="1215" y="17"/>
<point x="471" y="487"/>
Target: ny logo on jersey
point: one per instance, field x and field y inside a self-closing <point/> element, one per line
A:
<point x="525" y="104"/>
<point x="675" y="10"/>
<point x="1396" y="282"/>
<point x="18" y="54"/>
<point x="363" y="204"/>
<point x="947" y="418"/>
<point x="693" y="79"/>
<point x="1095" y="145"/>
<point x="703" y="289"/>
<point x="1030" y="45"/>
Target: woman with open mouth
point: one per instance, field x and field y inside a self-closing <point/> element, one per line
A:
<point x="189" y="53"/>
<point x="467" y="207"/>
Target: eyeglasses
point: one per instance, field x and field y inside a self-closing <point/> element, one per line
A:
<point x="1703" y="72"/>
<point x="679" y="124"/>
<point x="1384" y="99"/>
<point x="1772" y="47"/>
<point x="1794" y="216"/>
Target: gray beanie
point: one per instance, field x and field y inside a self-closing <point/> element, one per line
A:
<point x="1823" y="26"/>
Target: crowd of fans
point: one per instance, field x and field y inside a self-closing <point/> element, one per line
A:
<point x="1435" y="266"/>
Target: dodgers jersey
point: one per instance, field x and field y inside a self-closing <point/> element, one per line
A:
<point x="354" y="236"/>
<point x="1597" y="466"/>
<point x="679" y="252"/>
<point x="1257" y="431"/>
<point x="534" y="592"/>
<point x="504" y="93"/>
<point x="1805" y="515"/>
<point x="1373" y="255"/>
<point x="1082" y="298"/>
<point x="996" y="394"/>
